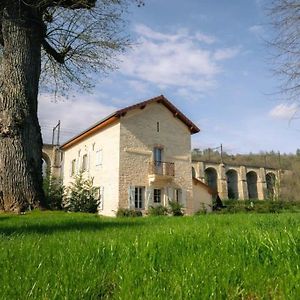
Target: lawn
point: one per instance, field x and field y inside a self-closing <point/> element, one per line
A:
<point x="55" y="255"/>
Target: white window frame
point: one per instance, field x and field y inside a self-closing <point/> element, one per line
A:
<point x="157" y="195"/>
<point x="139" y="197"/>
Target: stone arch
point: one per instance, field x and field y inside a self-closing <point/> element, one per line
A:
<point x="46" y="164"/>
<point x="232" y="184"/>
<point x="252" y="185"/>
<point x="194" y="175"/>
<point x="270" y="180"/>
<point x="211" y="178"/>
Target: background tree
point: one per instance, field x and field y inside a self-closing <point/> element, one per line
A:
<point x="285" y="20"/>
<point x="64" y="41"/>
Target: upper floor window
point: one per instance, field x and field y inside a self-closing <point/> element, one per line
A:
<point x="157" y="126"/>
<point x="84" y="162"/>
<point x="99" y="157"/>
<point x="157" y="154"/>
<point x="73" y="167"/>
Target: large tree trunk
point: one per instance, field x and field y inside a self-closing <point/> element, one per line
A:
<point x="20" y="134"/>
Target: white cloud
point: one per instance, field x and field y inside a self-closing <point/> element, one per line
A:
<point x="75" y="115"/>
<point x="226" y="53"/>
<point x="284" y="111"/>
<point x="177" y="59"/>
<point x="256" y="29"/>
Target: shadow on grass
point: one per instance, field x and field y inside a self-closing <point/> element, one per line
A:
<point x="65" y="226"/>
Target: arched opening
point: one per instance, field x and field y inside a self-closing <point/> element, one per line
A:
<point x="194" y="172"/>
<point x="46" y="164"/>
<point x="211" y="178"/>
<point x="252" y="185"/>
<point x="232" y="184"/>
<point x="270" y="180"/>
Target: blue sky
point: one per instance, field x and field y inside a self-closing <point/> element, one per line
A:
<point x="206" y="56"/>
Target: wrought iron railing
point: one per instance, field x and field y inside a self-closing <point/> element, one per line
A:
<point x="162" y="168"/>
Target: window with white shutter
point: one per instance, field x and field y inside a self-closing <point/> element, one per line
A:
<point x="99" y="157"/>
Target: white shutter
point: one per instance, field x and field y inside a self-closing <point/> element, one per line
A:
<point x="183" y="198"/>
<point x="149" y="197"/>
<point x="77" y="169"/>
<point x="99" y="157"/>
<point x="88" y="161"/>
<point x="101" y="196"/>
<point x="131" y="191"/>
<point x="170" y="194"/>
<point x="70" y="169"/>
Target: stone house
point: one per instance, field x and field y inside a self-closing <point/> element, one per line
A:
<point x="138" y="157"/>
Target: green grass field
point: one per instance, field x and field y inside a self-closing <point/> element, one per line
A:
<point x="56" y="255"/>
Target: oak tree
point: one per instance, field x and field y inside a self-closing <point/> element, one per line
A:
<point x="62" y="41"/>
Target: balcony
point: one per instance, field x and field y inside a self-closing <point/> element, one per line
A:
<point x="161" y="171"/>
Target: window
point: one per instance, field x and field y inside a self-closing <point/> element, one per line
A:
<point x="157" y="196"/>
<point x="73" y="167"/>
<point x="178" y="195"/>
<point x="99" y="157"/>
<point x="84" y="162"/>
<point x="139" y="193"/>
<point x="157" y="154"/>
<point x="157" y="127"/>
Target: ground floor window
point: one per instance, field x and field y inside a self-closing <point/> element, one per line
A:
<point x="178" y="195"/>
<point x="139" y="193"/>
<point x="157" y="196"/>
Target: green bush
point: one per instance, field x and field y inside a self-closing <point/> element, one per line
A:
<point x="158" y="210"/>
<point x="126" y="212"/>
<point x="175" y="208"/>
<point x="259" y="206"/>
<point x="81" y="196"/>
<point x="54" y="192"/>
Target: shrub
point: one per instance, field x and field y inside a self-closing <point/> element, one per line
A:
<point x="81" y="196"/>
<point x="158" y="210"/>
<point x="126" y="212"/>
<point x="175" y="208"/>
<point x="54" y="192"/>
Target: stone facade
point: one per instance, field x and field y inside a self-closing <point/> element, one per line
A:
<point x="138" y="157"/>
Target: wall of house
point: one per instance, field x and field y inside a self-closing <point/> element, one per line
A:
<point x="138" y="138"/>
<point x="202" y="198"/>
<point x="104" y="174"/>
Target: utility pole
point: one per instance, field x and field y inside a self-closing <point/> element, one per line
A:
<point x="57" y="127"/>
<point x="221" y="153"/>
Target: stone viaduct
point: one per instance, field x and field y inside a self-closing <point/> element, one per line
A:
<point x="237" y="182"/>
<point x="52" y="158"/>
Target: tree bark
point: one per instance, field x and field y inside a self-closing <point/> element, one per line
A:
<point x="20" y="134"/>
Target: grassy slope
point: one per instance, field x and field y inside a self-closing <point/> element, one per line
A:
<point x="77" y="256"/>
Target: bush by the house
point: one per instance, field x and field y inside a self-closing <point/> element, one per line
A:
<point x="158" y="210"/>
<point x="175" y="208"/>
<point x="126" y="212"/>
<point x="80" y="196"/>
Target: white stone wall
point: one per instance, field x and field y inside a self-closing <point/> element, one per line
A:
<point x="138" y="138"/>
<point x="106" y="174"/>
<point x="202" y="198"/>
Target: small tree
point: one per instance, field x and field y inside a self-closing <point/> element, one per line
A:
<point x="81" y="195"/>
<point x="54" y="192"/>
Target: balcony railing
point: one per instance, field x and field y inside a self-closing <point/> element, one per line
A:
<point x="162" y="168"/>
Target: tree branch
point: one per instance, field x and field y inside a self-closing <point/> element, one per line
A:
<point x="58" y="56"/>
<point x="72" y="4"/>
